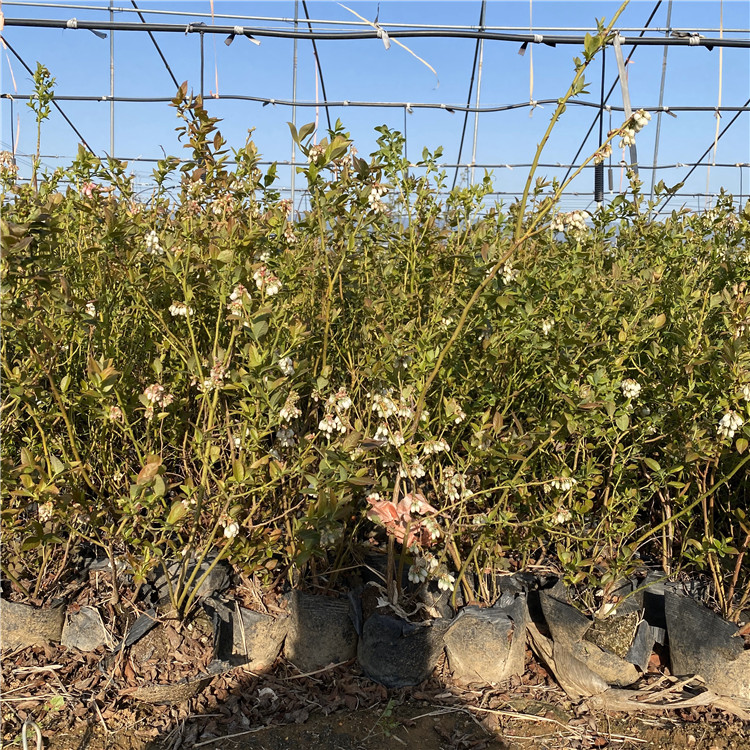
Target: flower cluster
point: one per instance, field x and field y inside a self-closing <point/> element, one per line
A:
<point x="285" y="436"/>
<point x="88" y="189"/>
<point x="639" y="120"/>
<point x="315" y="152"/>
<point x="572" y="224"/>
<point x="745" y="390"/>
<point x="8" y="166"/>
<point x="45" y="511"/>
<point x="266" y="281"/>
<point x="412" y="470"/>
<point x="508" y="273"/>
<point x="561" y="515"/>
<point x="115" y="413"/>
<point x="563" y="484"/>
<point x="215" y="377"/>
<point x="290" y="410"/>
<point x="729" y="424"/>
<point x="422" y="567"/>
<point x="90" y="309"/>
<point x="180" y="309"/>
<point x="604" y="152"/>
<point x="239" y="293"/>
<point x="155" y="395"/>
<point x="630" y="388"/>
<point x="340" y="401"/>
<point x="435" y="446"/>
<point x="547" y="326"/>
<point x="231" y="527"/>
<point x="454" y="484"/>
<point x="446" y="582"/>
<point x="286" y="366"/>
<point x="152" y="243"/>
<point x="375" y="198"/>
<point x="331" y="423"/>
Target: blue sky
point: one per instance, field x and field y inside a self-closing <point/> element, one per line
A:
<point x="365" y="71"/>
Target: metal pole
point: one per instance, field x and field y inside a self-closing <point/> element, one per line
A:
<point x="294" y="98"/>
<point x="479" y="87"/>
<point x="111" y="84"/>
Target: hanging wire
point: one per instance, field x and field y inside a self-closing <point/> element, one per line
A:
<point x="468" y="98"/>
<point x="599" y="168"/>
<point x="661" y="99"/>
<point x="609" y="93"/>
<point x="684" y="39"/>
<point x="320" y="68"/>
<point x="717" y="114"/>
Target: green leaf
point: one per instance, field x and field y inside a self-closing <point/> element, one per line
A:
<point x="622" y="422"/>
<point x="652" y="464"/>
<point x="741" y="445"/>
<point x="176" y="512"/>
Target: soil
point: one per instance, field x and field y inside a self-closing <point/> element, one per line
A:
<point x="81" y="702"/>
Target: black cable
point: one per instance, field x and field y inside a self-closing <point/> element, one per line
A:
<point x="158" y="49"/>
<point x="56" y="105"/>
<point x="606" y="99"/>
<point x="398" y="105"/>
<point x="599" y="168"/>
<point x="320" y="69"/>
<point x="706" y="152"/>
<point x="471" y="88"/>
<point x="551" y="41"/>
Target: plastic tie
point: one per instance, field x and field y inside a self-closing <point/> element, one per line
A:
<point x="408" y="108"/>
<point x="695" y="39"/>
<point x="538" y="38"/>
<point x="239" y="31"/>
<point x="72" y="23"/>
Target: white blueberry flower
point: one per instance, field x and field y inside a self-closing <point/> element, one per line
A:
<point x="286" y="366"/>
<point x="330" y="424"/>
<point x="547" y="326"/>
<point x="90" y="309"/>
<point x="446" y="582"/>
<point x="383" y="405"/>
<point x="180" y="309"/>
<point x="374" y="198"/>
<point x="231" y="529"/>
<point x="563" y="484"/>
<point x="45" y="511"/>
<point x="396" y="439"/>
<point x="152" y="243"/>
<point x="266" y="281"/>
<point x="381" y="434"/>
<point x="285" y="436"/>
<point x="746" y="392"/>
<point x="630" y="388"/>
<point x="562" y="515"/>
<point x="729" y="424"/>
<point x="115" y="413"/>
<point x="508" y="273"/>
<point x="435" y="446"/>
<point x="290" y="410"/>
<point x="412" y="470"/>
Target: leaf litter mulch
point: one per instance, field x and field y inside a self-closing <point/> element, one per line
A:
<point x="77" y="705"/>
